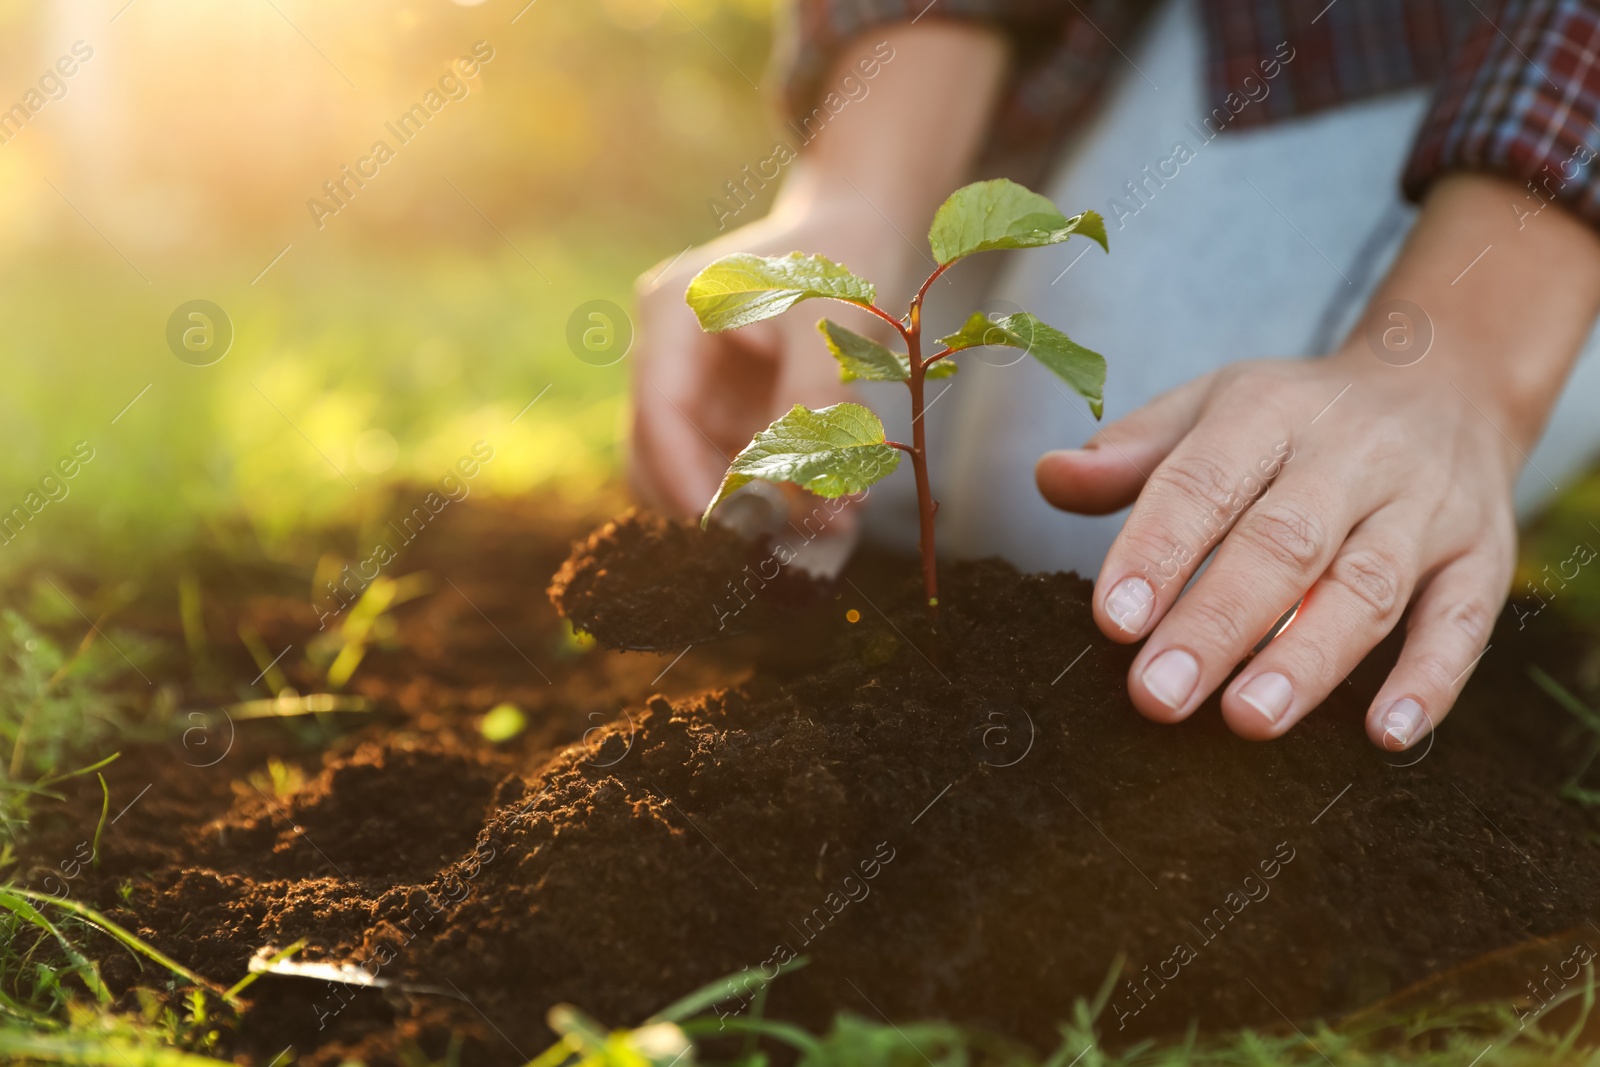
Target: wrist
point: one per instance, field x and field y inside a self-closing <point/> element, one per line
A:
<point x="1440" y="393"/>
<point x="891" y="200"/>
<point x="1478" y="306"/>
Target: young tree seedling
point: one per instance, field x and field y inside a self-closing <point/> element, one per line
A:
<point x="842" y="448"/>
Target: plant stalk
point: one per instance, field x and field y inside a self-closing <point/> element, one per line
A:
<point x="926" y="505"/>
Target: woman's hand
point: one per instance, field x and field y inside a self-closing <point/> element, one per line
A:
<point x="864" y="188"/>
<point x="1353" y="483"/>
<point x="698" y="397"/>
<point x="1338" y="480"/>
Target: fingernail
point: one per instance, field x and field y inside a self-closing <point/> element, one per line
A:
<point x="1171" y="676"/>
<point x="1130" y="603"/>
<point x="1400" y="722"/>
<point x="1270" y="694"/>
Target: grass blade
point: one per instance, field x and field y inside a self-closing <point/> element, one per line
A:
<point x="794" y="1036"/>
<point x="30" y="914"/>
<point x="92" y="1051"/>
<point x="105" y="925"/>
<point x="244" y="983"/>
<point x="100" y="827"/>
<point x="1558" y="692"/>
<point x="93" y="767"/>
<point x="707" y="995"/>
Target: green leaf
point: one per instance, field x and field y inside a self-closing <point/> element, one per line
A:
<point x="832" y="451"/>
<point x="1079" y="367"/>
<point x="740" y="289"/>
<point x="865" y="359"/>
<point x="1002" y="214"/>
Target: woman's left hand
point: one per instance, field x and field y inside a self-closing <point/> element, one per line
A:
<point x="1350" y="483"/>
<point x="1354" y="485"/>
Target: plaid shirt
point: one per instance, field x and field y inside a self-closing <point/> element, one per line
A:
<point x="1517" y="81"/>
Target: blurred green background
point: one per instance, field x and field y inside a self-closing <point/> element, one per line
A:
<point x="177" y="164"/>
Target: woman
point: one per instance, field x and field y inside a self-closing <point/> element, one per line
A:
<point x="1392" y="201"/>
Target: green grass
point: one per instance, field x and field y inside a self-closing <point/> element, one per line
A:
<point x="58" y="704"/>
<point x="56" y="1008"/>
<point x="1492" y="1036"/>
<point x="1586" y="725"/>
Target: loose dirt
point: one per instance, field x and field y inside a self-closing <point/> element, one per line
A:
<point x="975" y="825"/>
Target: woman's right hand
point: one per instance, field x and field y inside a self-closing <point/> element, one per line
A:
<point x="864" y="188"/>
<point x="699" y="397"/>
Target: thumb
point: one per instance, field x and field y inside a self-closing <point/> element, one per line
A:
<point x="1108" y="472"/>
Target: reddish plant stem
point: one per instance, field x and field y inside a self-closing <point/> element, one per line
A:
<point x="899" y="326"/>
<point x="916" y="301"/>
<point x="926" y="505"/>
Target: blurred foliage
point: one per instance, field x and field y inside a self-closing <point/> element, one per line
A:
<point x="197" y="125"/>
<point x="1559" y="567"/>
<point x="340" y="383"/>
<point x="420" y="319"/>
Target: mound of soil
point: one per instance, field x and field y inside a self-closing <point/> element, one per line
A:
<point x="975" y="826"/>
<point x="641" y="582"/>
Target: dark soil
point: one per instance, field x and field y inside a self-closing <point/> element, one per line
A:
<point x="645" y="584"/>
<point x="975" y="827"/>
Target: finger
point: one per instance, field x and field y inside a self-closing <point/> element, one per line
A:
<point x="1446" y="637"/>
<point x="1106" y="474"/>
<point x="1279" y="546"/>
<point x="1352" y="607"/>
<point x="1190" y="502"/>
<point x="672" y="467"/>
<point x="674" y="463"/>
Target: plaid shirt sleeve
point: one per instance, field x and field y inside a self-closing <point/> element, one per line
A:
<point x="1521" y="100"/>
